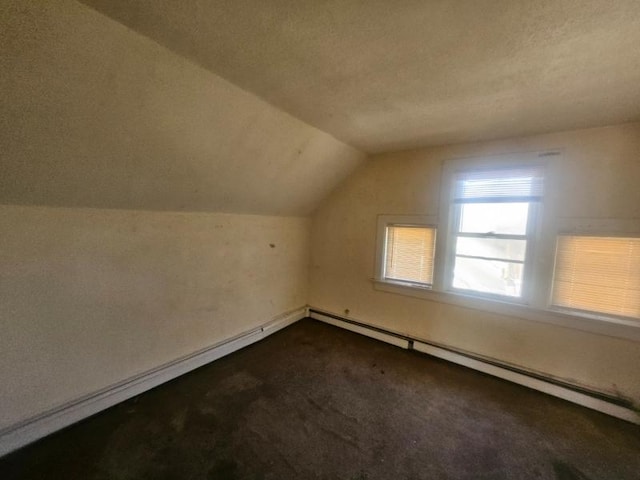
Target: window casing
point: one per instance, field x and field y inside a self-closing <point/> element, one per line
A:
<point x="407" y="250"/>
<point x="493" y="219"/>
<point x="409" y="254"/>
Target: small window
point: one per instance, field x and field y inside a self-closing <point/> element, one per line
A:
<point x="409" y="252"/>
<point x="598" y="274"/>
<point x="493" y="225"/>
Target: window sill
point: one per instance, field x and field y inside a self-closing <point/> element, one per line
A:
<point x="613" y="327"/>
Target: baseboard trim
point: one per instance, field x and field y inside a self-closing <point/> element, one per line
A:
<point x="594" y="400"/>
<point x="39" y="426"/>
<point x="361" y="328"/>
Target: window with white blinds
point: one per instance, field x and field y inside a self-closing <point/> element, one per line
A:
<point x="409" y="255"/>
<point x="511" y="184"/>
<point x="598" y="274"/>
<point x="494" y="218"/>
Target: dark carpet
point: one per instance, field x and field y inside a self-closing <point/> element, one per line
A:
<point x="317" y="402"/>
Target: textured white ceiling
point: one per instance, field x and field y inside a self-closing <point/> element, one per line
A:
<point x="386" y="75"/>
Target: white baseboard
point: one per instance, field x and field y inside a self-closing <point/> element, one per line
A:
<point x="368" y="332"/>
<point x="559" y="391"/>
<point x="34" y="428"/>
<point x="534" y="383"/>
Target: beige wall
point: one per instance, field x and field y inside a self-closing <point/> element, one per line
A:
<point x="598" y="176"/>
<point x="94" y="114"/>
<point x="90" y="297"/>
<point x="104" y="136"/>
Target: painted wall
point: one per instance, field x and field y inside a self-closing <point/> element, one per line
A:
<point x="115" y="154"/>
<point x="90" y="297"/>
<point x="96" y="115"/>
<point x="598" y="177"/>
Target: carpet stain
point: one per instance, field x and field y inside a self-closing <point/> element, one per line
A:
<point x="564" y="471"/>
<point x="236" y="383"/>
<point x="224" y="469"/>
<point x="361" y="475"/>
<point x="178" y="420"/>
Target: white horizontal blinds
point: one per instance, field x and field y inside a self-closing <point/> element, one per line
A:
<point x="409" y="253"/>
<point x="500" y="185"/>
<point x="598" y="274"/>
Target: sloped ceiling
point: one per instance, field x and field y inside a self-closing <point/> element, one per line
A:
<point x="93" y="114"/>
<point x="385" y="75"/>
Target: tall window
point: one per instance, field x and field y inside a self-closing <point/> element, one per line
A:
<point x="493" y="226"/>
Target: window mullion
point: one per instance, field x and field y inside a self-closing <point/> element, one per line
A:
<point x="490" y="259"/>
<point x="489" y="236"/>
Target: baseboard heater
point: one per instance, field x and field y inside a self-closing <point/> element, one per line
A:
<point x="596" y="400"/>
<point x="36" y="427"/>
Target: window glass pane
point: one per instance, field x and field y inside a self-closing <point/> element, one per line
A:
<point x="492" y="247"/>
<point x="488" y="276"/>
<point x="409" y="253"/>
<point x="506" y="218"/>
<point x="598" y="274"/>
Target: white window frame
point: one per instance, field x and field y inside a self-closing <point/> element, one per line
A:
<point x="537" y="229"/>
<point x="537" y="305"/>
<point x="455" y="212"/>
<point x="385" y="221"/>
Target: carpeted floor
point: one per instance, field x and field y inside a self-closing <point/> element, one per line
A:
<point x="317" y="402"/>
